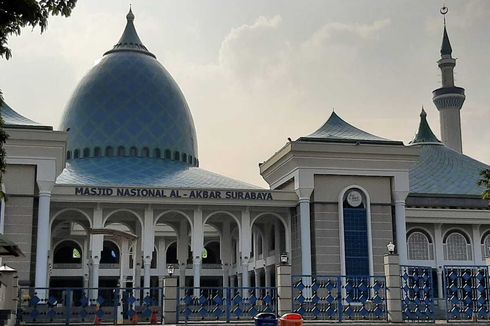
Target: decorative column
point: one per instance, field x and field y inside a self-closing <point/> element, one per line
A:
<point x="246" y="241"/>
<point x="439" y="258"/>
<point x="267" y="272"/>
<point x="43" y="236"/>
<point x="96" y="243"/>
<point x="400" y="193"/>
<point x="148" y="246"/>
<point x="197" y="248"/>
<point x="304" y="195"/>
<point x="146" y="275"/>
<point x="94" y="277"/>
<point x="477" y="254"/>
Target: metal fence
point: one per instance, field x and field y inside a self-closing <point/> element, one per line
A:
<point x="89" y="305"/>
<point x="224" y="304"/>
<point x="340" y="298"/>
<point x="417" y="293"/>
<point x="467" y="293"/>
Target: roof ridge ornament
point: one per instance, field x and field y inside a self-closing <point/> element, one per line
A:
<point x="424" y="134"/>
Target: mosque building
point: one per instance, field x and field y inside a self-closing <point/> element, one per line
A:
<point x="116" y="194"/>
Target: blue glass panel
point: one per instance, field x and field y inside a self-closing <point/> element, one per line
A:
<point x="356" y="242"/>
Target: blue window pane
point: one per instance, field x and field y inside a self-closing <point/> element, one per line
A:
<point x="356" y="242"/>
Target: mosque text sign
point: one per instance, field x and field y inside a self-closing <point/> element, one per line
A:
<point x="172" y="193"/>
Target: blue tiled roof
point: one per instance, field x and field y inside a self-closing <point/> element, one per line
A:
<point x="143" y="172"/>
<point x="14" y="120"/>
<point x="129" y="99"/>
<point x="442" y="171"/>
<point x="337" y="130"/>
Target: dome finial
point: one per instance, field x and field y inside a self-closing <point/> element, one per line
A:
<point x="423" y="114"/>
<point x="130" y="15"/>
<point x="446" y="45"/>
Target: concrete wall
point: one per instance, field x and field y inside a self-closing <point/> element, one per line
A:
<point x="325" y="220"/>
<point x="21" y="217"/>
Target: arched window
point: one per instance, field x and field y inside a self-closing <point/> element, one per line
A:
<point x="67" y="252"/>
<point x="68" y="155"/>
<point x="184" y="157"/>
<point x="190" y="159"/>
<point x="110" y="253"/>
<point x="176" y="156"/>
<point x="86" y="152"/>
<point x="157" y="153"/>
<point x="109" y="151"/>
<point x="121" y="151"/>
<point x="456" y="247"/>
<point x="145" y="152"/>
<point x="133" y="151"/>
<point x="96" y="151"/>
<point x="419" y="246"/>
<point x="76" y="153"/>
<point x="356" y="237"/>
<point x="485" y="245"/>
<point x="168" y="154"/>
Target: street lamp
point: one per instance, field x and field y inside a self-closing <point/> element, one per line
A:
<point x="391" y="248"/>
<point x="170" y="270"/>
<point x="284" y="259"/>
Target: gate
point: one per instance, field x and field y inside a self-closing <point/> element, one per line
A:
<point x="224" y="304"/>
<point x="466" y="292"/>
<point x="339" y="298"/>
<point x="86" y="305"/>
<point x="417" y="293"/>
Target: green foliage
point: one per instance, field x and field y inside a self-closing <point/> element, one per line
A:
<point x="485" y="182"/>
<point x="15" y="14"/>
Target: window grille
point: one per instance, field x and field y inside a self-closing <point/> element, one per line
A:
<point x="419" y="247"/>
<point x="456" y="247"/>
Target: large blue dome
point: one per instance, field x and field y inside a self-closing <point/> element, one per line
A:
<point x="129" y="105"/>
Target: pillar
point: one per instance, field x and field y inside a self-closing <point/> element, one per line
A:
<point x="43" y="237"/>
<point x="304" y="195"/>
<point x="146" y="275"/>
<point x="267" y="276"/>
<point x="393" y="283"/>
<point x="283" y="285"/>
<point x="246" y="247"/>
<point x="400" y="192"/>
<point x="197" y="248"/>
<point x="477" y="254"/>
<point x="148" y="246"/>
<point x="170" y="306"/>
<point x="439" y="259"/>
<point x="94" y="277"/>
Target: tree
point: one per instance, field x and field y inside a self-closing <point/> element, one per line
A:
<point x="14" y="15"/>
<point x="485" y="182"/>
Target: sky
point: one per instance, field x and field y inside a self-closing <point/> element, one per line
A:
<point x="256" y="72"/>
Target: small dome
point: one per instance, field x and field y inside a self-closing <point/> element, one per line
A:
<point x="129" y="105"/>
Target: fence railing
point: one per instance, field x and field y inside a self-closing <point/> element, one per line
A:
<point x="224" y="304"/>
<point x="89" y="305"/>
<point x="323" y="297"/>
<point x="417" y="296"/>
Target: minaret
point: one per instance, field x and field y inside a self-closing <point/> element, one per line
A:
<point x="449" y="99"/>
